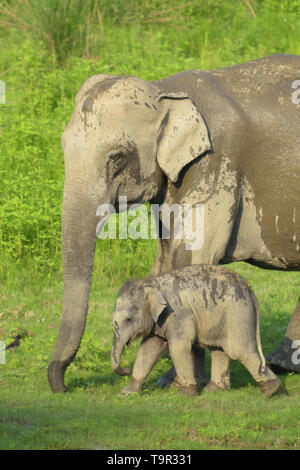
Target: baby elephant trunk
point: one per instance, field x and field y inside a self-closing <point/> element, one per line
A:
<point x="116" y="354"/>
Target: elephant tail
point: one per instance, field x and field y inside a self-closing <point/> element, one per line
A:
<point x="258" y="337"/>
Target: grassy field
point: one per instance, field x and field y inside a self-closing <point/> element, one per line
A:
<point x="42" y="71"/>
<point x="93" y="414"/>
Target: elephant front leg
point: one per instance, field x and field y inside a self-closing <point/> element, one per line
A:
<point x="150" y="350"/>
<point x="287" y="356"/>
<point x="182" y="357"/>
<point x="198" y="360"/>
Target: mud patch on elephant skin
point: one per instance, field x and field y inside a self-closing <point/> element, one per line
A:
<point x="204" y="298"/>
<point x="89" y="94"/>
<point x="275" y="198"/>
<point x="247" y="240"/>
<point x="217" y="290"/>
<point x="104" y="86"/>
<point x="133" y="289"/>
<point x="87" y="106"/>
<point x="181" y="257"/>
<point x="223" y="290"/>
<point x="239" y="285"/>
<point x="199" y="177"/>
<point x="162" y="127"/>
<point x="213" y="290"/>
<point x="175" y="289"/>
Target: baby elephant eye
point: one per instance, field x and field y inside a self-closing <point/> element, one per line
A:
<point x="128" y="319"/>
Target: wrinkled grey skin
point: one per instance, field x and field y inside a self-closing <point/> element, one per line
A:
<point x="209" y="306"/>
<point x="227" y="138"/>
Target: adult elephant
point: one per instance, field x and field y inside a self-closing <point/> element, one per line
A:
<point x="227" y="138"/>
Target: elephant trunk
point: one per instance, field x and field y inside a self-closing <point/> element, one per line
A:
<point x="78" y="246"/>
<point x="116" y="353"/>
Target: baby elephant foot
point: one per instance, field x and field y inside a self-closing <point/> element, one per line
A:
<point x="270" y="387"/>
<point x="175" y="383"/>
<point x="134" y="386"/>
<point x="213" y="387"/>
<point x="190" y="390"/>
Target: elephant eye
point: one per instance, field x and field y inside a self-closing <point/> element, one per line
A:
<point x="115" y="157"/>
<point x="129" y="319"/>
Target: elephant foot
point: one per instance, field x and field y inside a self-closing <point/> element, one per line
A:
<point x="213" y="387"/>
<point x="175" y="383"/>
<point x="168" y="379"/>
<point x="59" y="389"/>
<point x="135" y="386"/>
<point x="270" y="387"/>
<point x="56" y="372"/>
<point x="285" y="358"/>
<point x="121" y="371"/>
<point x="190" y="390"/>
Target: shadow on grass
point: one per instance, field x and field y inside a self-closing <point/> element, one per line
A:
<point x="92" y="380"/>
<point x="240" y="378"/>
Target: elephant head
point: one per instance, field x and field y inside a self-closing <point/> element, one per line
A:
<point x="125" y="138"/>
<point x="138" y="308"/>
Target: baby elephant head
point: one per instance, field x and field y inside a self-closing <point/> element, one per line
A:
<point x="137" y="308"/>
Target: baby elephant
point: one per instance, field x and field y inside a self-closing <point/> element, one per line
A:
<point x="196" y="306"/>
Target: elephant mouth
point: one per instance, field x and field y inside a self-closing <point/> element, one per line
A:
<point x="131" y="203"/>
<point x="131" y="339"/>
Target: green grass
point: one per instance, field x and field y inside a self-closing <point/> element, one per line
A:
<point x="43" y="68"/>
<point x="93" y="414"/>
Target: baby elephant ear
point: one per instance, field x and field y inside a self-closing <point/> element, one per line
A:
<point x="157" y="302"/>
<point x="183" y="134"/>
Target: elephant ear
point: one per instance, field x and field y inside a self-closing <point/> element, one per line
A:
<point x="157" y="302"/>
<point x="183" y="134"/>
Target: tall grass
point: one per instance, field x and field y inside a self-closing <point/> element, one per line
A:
<point x="63" y="25"/>
<point x="65" y="41"/>
<point x="90" y="28"/>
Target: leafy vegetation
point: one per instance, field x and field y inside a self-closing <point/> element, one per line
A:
<point x="47" y="50"/>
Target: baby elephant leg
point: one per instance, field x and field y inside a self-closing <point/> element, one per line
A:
<point x="181" y="354"/>
<point x="199" y="366"/>
<point x="220" y="378"/>
<point x="198" y="357"/>
<point x="268" y="382"/>
<point x="150" y="349"/>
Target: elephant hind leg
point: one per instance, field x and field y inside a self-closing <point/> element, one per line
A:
<point x="268" y="382"/>
<point x="220" y="377"/>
